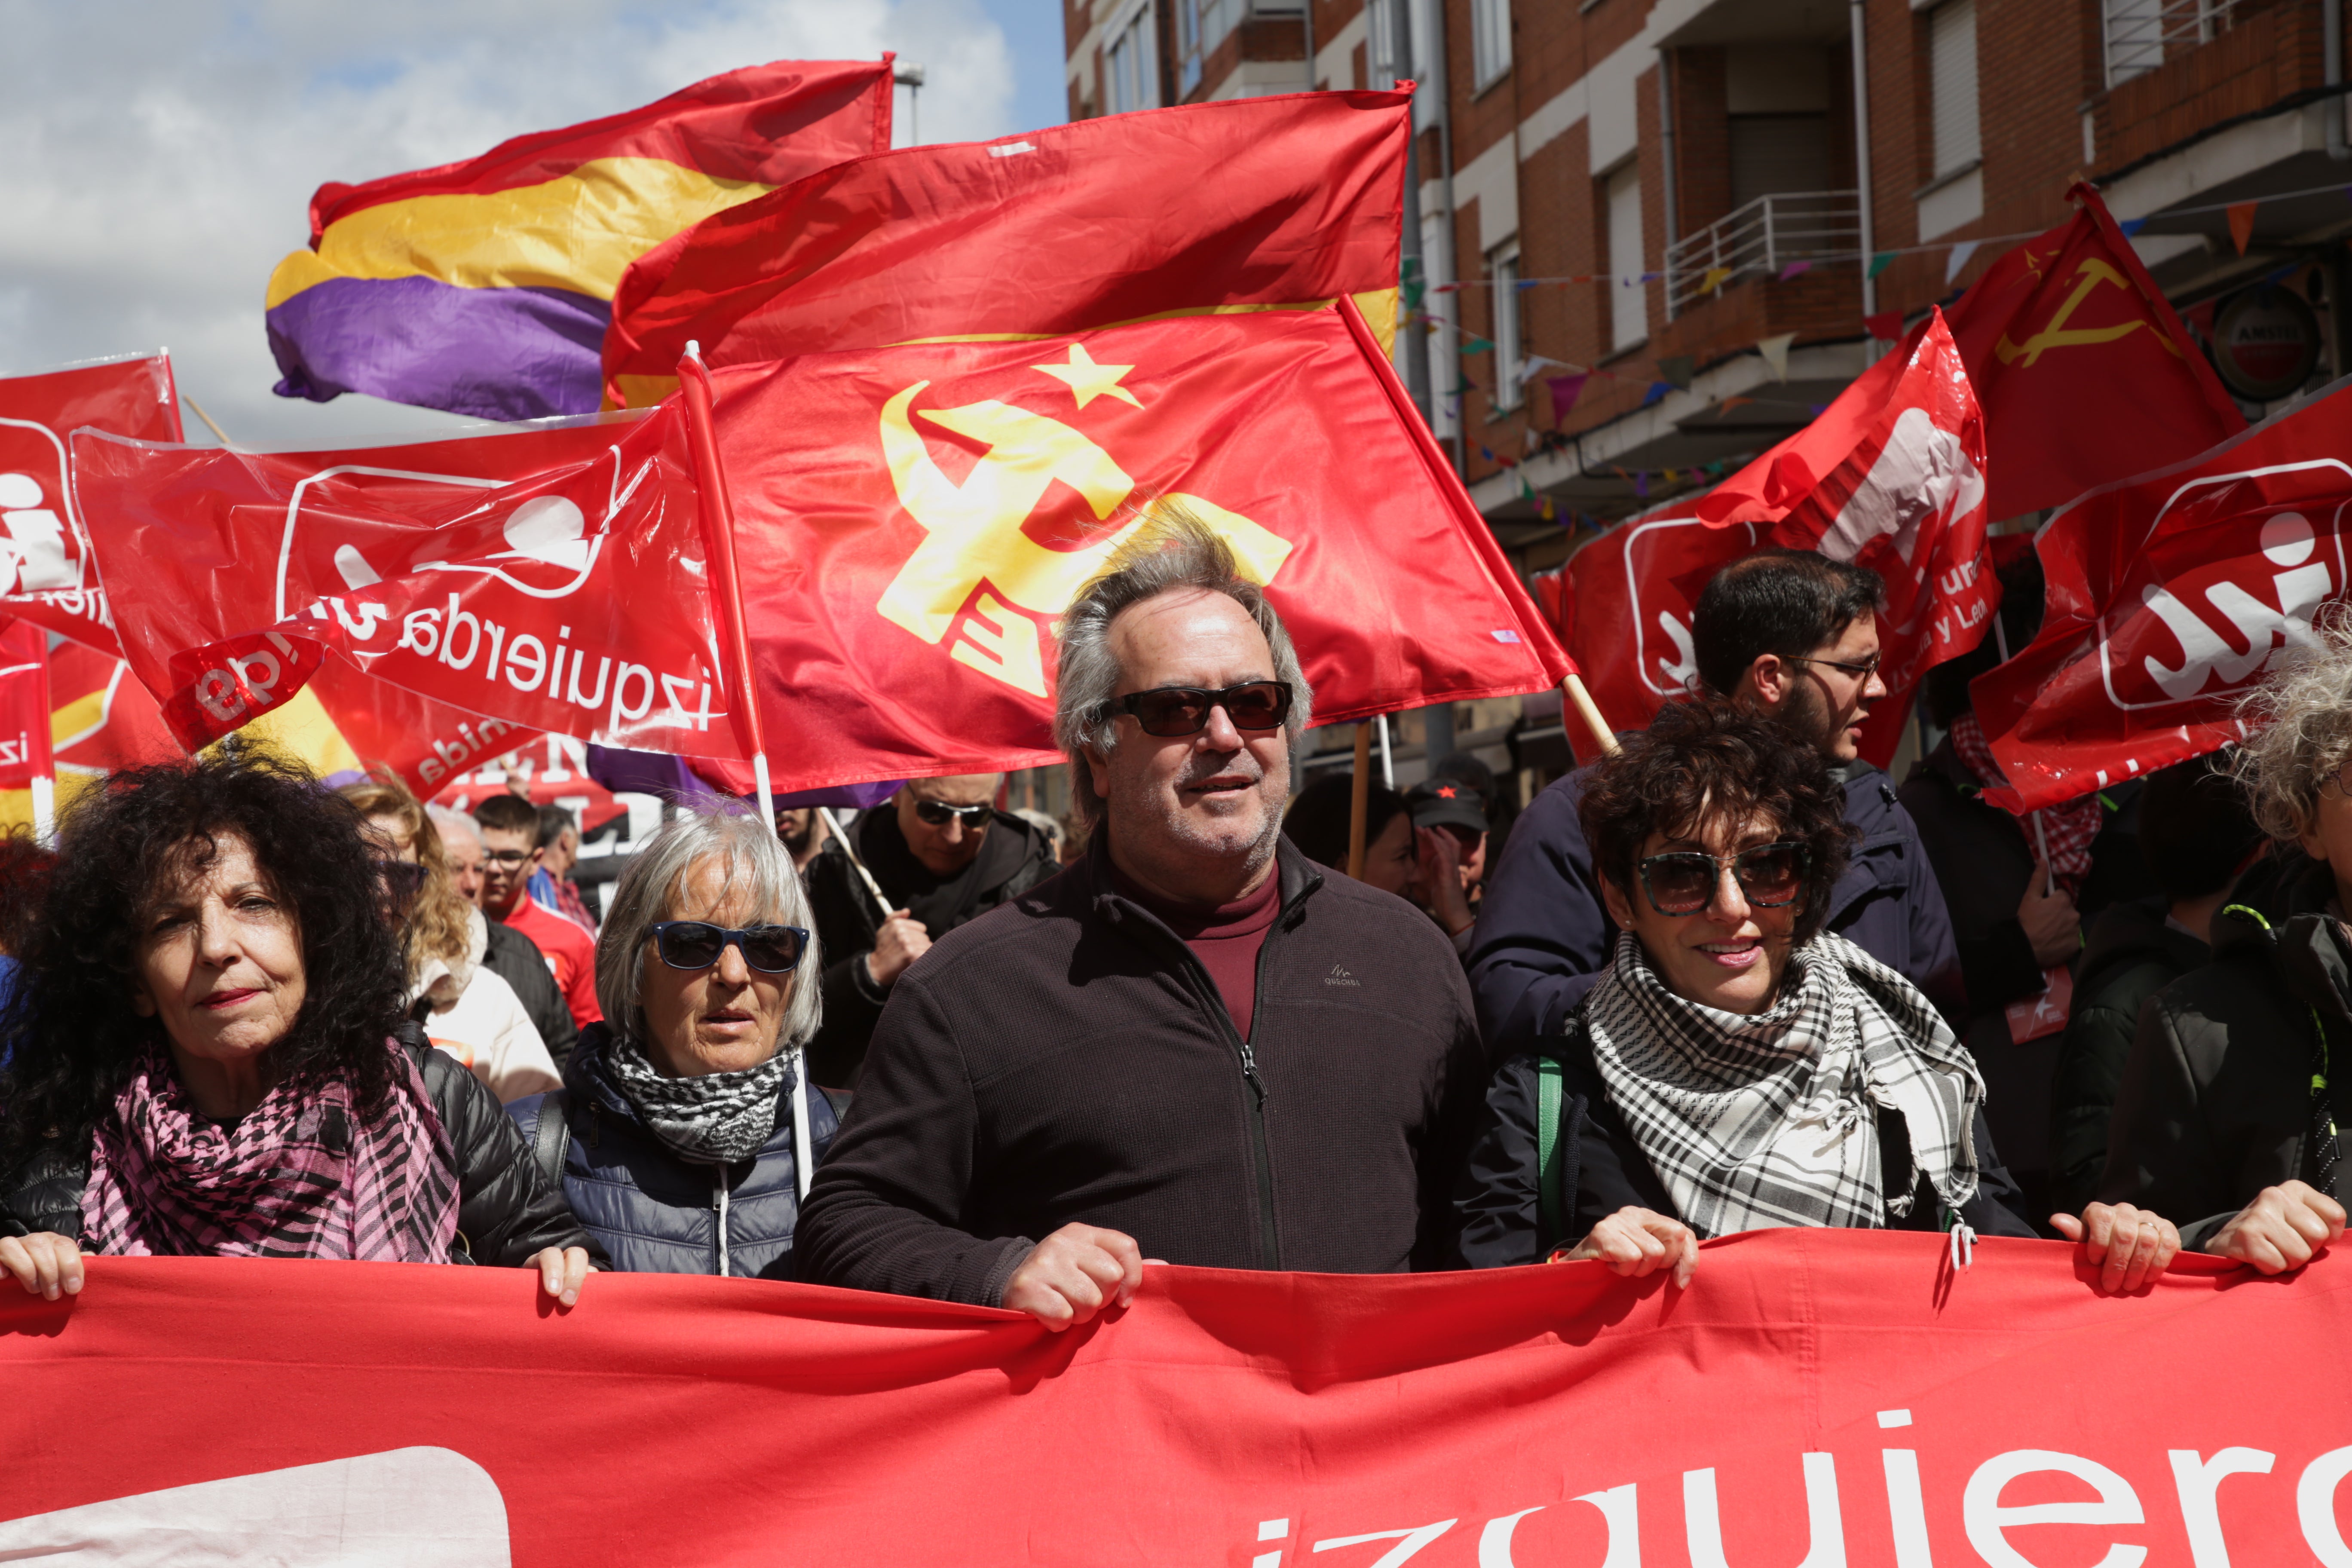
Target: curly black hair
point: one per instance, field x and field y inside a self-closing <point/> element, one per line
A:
<point x="1708" y="758"/>
<point x="71" y="1036"/>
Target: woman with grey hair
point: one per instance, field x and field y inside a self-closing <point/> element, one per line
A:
<point x="2226" y="1118"/>
<point x="685" y="1134"/>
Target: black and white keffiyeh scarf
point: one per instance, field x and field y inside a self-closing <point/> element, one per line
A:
<point x="717" y="1119"/>
<point x="1755" y="1121"/>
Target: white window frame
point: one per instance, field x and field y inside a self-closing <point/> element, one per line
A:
<point x="1490" y="42"/>
<point x="1131" y="62"/>
<point x="1509" y="333"/>
<point x="1626" y="300"/>
<point x="1954" y="116"/>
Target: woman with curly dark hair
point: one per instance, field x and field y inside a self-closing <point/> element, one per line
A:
<point x="1738" y="1066"/>
<point x="204" y="1058"/>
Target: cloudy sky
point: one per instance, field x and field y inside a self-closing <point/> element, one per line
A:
<point x="162" y="154"/>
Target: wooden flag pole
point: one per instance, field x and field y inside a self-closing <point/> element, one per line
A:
<point x="1359" y="798"/>
<point x="833" y="825"/>
<point x="1582" y="699"/>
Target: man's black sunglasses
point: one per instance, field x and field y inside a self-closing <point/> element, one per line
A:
<point x="1173" y="710"/>
<point x="938" y="814"/>
<point x="698" y="945"/>
<point x="1683" y="883"/>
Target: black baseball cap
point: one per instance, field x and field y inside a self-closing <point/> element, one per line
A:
<point x="1448" y="802"/>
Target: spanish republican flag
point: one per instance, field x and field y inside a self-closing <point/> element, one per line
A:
<point x="912" y="523"/>
<point x="484" y="287"/>
<point x="1256" y="201"/>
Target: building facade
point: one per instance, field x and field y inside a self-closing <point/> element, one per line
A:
<point x="1654" y="229"/>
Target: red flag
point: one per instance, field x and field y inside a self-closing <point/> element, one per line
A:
<point x="2168" y="596"/>
<point x="527" y="604"/>
<point x="2085" y="373"/>
<point x="1816" y="1395"/>
<point x="45" y="571"/>
<point x="1891" y="477"/>
<point x="1274" y="201"/>
<point x="210" y="545"/>
<point x="907" y="548"/>
<point x="102" y="719"/>
<point x="24" y="754"/>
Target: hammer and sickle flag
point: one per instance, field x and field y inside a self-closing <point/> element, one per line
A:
<point x="913" y="522"/>
<point x="2085" y="371"/>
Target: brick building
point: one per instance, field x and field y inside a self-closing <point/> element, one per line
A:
<point x="1637" y="192"/>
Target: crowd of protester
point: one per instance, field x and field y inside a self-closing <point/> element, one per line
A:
<point x="1727" y="977"/>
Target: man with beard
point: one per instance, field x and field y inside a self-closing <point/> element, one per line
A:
<point x="1795" y="634"/>
<point x="943" y="854"/>
<point x="1194" y="1045"/>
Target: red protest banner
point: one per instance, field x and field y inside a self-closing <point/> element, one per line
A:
<point x="46" y="574"/>
<point x="2168" y="596"/>
<point x="215" y="545"/>
<point x="1816" y="1395"/>
<point x="26" y="762"/>
<point x="912" y="523"/>
<point x="1891" y="476"/>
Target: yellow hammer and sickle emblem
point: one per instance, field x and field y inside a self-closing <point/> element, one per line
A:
<point x="973" y="532"/>
<point x="2058" y="335"/>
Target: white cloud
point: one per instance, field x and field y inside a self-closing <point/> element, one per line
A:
<point x="161" y="155"/>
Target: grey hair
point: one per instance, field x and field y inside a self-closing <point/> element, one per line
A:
<point x="751" y="853"/>
<point x="442" y="817"/>
<point x="1174" y="548"/>
<point x="2298" y="724"/>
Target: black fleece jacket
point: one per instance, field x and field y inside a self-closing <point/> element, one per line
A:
<point x="2216" y="1101"/>
<point x="507" y="1210"/>
<point x="1066" y="1059"/>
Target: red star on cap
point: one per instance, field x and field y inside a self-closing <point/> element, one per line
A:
<point x="1445" y="792"/>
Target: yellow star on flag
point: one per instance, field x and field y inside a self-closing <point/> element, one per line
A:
<point x="1088" y="381"/>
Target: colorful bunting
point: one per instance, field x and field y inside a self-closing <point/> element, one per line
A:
<point x="2242" y="224"/>
<point x="1795" y="269"/>
<point x="1775" y="351"/>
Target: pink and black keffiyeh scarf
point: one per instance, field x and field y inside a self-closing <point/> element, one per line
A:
<point x="300" y="1176"/>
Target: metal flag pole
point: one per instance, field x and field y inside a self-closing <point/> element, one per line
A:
<point x="718" y="540"/>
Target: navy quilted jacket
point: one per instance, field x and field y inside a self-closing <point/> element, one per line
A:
<point x="654" y="1212"/>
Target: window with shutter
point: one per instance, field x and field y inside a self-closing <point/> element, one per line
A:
<point x="1629" y="299"/>
<point x="1952" y="73"/>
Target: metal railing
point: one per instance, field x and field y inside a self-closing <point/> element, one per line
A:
<point x="1761" y="239"/>
<point x="2138" y="34"/>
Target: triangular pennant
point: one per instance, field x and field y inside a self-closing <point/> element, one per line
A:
<point x="2242" y="224"/>
<point x="1775" y="351"/>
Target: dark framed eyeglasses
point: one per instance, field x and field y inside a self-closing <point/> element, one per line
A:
<point x="938" y="814"/>
<point x="1770" y="876"/>
<point x="1864" y="671"/>
<point x="507" y="856"/>
<point x="1173" y="710"/>
<point x="698" y="945"/>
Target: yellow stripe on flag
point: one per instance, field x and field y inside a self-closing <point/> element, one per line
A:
<point x="301" y="730"/>
<point x="578" y="232"/>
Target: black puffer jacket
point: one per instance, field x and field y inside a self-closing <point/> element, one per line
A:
<point x="505" y="1210"/>
<point x="2217" y="1099"/>
<point x="652" y="1212"/>
<point x="1013" y="857"/>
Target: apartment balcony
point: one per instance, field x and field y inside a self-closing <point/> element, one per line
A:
<point x="1762" y="240"/>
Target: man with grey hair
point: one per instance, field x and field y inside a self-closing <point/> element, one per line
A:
<point x="512" y="956"/>
<point x="1194" y="1045"/>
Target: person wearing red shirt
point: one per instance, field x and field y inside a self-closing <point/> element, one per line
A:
<point x="511" y="853"/>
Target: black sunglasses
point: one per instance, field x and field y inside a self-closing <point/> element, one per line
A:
<point x="938" y="814"/>
<point x="1770" y="876"/>
<point x="698" y="944"/>
<point x="1173" y="710"/>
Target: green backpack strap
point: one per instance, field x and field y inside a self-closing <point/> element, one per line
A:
<point x="1551" y="1178"/>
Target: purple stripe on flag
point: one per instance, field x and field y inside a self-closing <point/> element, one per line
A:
<point x="495" y="353"/>
<point x="669" y="778"/>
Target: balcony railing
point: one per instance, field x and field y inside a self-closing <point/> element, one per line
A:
<point x="1761" y="239"/>
<point x="2140" y="33"/>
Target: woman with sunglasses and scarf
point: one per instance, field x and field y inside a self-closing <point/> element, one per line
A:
<point x="1738" y="1067"/>
<point x="463" y="1008"/>
<point x="209" y="1057"/>
<point x="685" y="1133"/>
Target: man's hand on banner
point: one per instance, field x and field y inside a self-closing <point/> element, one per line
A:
<point x="45" y="1263"/>
<point x="1635" y="1242"/>
<point x="1072" y="1274"/>
<point x="561" y="1271"/>
<point x="2281" y="1229"/>
<point x="2131" y="1245"/>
